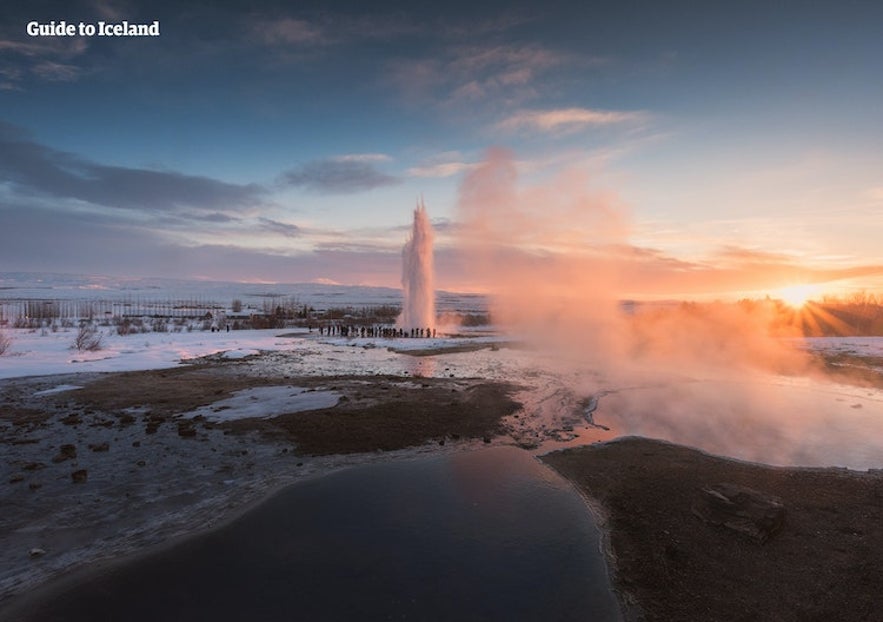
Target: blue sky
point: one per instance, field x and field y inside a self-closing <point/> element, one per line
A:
<point x="289" y="141"/>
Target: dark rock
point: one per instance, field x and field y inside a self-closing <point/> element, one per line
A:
<point x="743" y="510"/>
<point x="141" y="463"/>
<point x="441" y="442"/>
<point x="105" y="446"/>
<point x="33" y="466"/>
<point x="186" y="429"/>
<point x="487" y="439"/>
<point x="72" y="419"/>
<point x="79" y="476"/>
<point x="16" y="479"/>
<point x="35" y="485"/>
<point x="136" y="443"/>
<point x="67" y="452"/>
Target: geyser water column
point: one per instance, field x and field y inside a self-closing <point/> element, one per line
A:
<point x="418" y="309"/>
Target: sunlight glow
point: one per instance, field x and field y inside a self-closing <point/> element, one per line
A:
<point x="797" y="295"/>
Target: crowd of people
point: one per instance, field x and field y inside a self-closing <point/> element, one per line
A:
<point x="386" y="332"/>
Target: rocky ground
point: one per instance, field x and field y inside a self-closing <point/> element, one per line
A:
<point x="97" y="465"/>
<point x="820" y="558"/>
<point x="100" y="465"/>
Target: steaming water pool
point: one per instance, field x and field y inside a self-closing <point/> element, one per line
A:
<point x="761" y="417"/>
<point x="485" y="535"/>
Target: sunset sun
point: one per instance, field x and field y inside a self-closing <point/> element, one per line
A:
<point x="797" y="295"/>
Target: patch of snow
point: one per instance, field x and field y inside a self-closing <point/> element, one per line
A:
<point x="266" y="403"/>
<point x="234" y="355"/>
<point x="59" y="389"/>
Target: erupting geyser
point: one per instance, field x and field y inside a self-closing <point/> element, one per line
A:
<point x="418" y="310"/>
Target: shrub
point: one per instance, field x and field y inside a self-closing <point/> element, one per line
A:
<point x="88" y="338"/>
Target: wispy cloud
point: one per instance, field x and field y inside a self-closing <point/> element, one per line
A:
<point x="323" y="30"/>
<point x="289" y="31"/>
<point x="339" y="176"/>
<point x="362" y="157"/>
<point x="33" y="169"/>
<point x="439" y="169"/>
<point x="282" y="228"/>
<point x="460" y="74"/>
<point x="57" y="72"/>
<point x="567" y="119"/>
<point x="44" y="59"/>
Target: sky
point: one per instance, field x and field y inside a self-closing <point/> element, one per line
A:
<point x="736" y="145"/>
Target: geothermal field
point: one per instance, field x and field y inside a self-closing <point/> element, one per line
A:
<point x="441" y="311"/>
<point x="164" y="445"/>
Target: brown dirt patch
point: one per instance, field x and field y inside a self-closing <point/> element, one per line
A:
<point x="382" y="416"/>
<point x="376" y="413"/>
<point x="825" y="564"/>
<point x="163" y="392"/>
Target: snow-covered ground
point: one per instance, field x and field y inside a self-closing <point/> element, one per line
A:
<point x="39" y="353"/>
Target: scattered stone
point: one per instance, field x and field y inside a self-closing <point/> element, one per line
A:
<point x="67" y="452"/>
<point x="36" y="552"/>
<point x="79" y="476"/>
<point x="105" y="446"/>
<point x="35" y="485"/>
<point x="743" y="510"/>
<point x="141" y="463"/>
<point x="72" y="419"/>
<point x="136" y="443"/>
<point x="33" y="466"/>
<point x="152" y="426"/>
<point x="186" y="429"/>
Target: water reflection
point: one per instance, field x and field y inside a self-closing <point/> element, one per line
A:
<point x="421" y="366"/>
<point x="487" y="535"/>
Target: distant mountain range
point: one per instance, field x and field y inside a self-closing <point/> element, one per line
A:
<point x="52" y="286"/>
